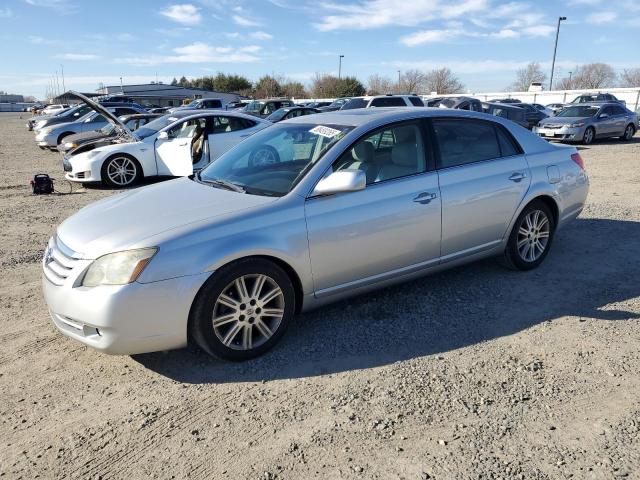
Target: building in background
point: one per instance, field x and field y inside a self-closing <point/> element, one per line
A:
<point x="161" y="95"/>
<point x="6" y="98"/>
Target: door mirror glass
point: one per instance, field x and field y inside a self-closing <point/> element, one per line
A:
<point x="341" y="181"/>
<point x="163" y="136"/>
<point x="604" y="115"/>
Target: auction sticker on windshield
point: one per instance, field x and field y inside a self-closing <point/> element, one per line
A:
<point x="325" y="131"/>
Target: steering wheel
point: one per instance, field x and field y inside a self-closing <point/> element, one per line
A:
<point x="263" y="156"/>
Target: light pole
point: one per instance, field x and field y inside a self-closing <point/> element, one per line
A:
<point x="340" y="66"/>
<point x="555" y="49"/>
<point x="399" y="82"/>
<point x="64" y="88"/>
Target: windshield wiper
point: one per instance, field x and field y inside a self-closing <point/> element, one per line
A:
<point x="218" y="182"/>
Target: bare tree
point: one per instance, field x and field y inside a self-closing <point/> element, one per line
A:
<point x="379" y="85"/>
<point x="526" y="76"/>
<point x="594" y="75"/>
<point x="328" y="86"/>
<point x="566" y="83"/>
<point x="630" y="78"/>
<point x="293" y="89"/>
<point x="442" y="81"/>
<point x="412" y="81"/>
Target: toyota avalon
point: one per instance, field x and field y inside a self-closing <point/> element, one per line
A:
<point x="302" y="213"/>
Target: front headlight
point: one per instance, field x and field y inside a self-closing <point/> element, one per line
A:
<point x="41" y="123"/>
<point x="576" y="125"/>
<point x="118" y="268"/>
<point x="70" y="145"/>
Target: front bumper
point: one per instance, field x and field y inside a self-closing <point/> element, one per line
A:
<point x="565" y="134"/>
<point x="46" y="140"/>
<point x="123" y="319"/>
<point x="82" y="169"/>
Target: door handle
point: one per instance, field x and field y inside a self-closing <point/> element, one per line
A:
<point x="182" y="144"/>
<point x="517" y="177"/>
<point x="424" y="197"/>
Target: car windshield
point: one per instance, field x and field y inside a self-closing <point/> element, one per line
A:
<point x="338" y="103"/>
<point x="272" y="161"/>
<point x="583" y="111"/>
<point x="448" y="102"/>
<point x="277" y="115"/>
<point x="107" y="129"/>
<point x="585" y="99"/>
<point x="253" y="107"/>
<point x="155" y="126"/>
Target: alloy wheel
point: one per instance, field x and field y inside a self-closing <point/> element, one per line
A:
<point x="533" y="235"/>
<point x="122" y="171"/>
<point x="588" y="136"/>
<point x="248" y="311"/>
<point x="628" y="133"/>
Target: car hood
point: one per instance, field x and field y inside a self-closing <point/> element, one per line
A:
<point x="563" y="120"/>
<point x="110" y="117"/>
<point x="124" y="221"/>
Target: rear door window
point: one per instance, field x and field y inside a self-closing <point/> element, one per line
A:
<point x="416" y="101"/>
<point x="463" y="141"/>
<point x="222" y="124"/>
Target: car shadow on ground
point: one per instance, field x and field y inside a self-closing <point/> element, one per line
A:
<point x="585" y="276"/>
<point x="608" y="141"/>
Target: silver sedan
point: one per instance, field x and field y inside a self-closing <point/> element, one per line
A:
<point x="587" y="121"/>
<point x="303" y="213"/>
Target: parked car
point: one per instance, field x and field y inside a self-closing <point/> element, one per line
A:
<point x="237" y="105"/>
<point x="73" y="114"/>
<point x="506" y="100"/>
<point x="334" y="106"/>
<point x="596" y="97"/>
<point x="317" y="104"/>
<point x="51" y="137"/>
<point x="175" y="144"/>
<point x="532" y="114"/>
<point x="290" y="112"/>
<point x="161" y="110"/>
<point x="264" y="108"/>
<point x="536" y="87"/>
<point x="460" y="103"/>
<point x="106" y="133"/>
<point x="199" y="104"/>
<point x="555" y="108"/>
<point x="586" y="122"/>
<point x="56" y="108"/>
<point x="356" y="201"/>
<point x="505" y="110"/>
<point x="383" y="101"/>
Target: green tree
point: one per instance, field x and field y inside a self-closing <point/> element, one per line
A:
<point x="268" y="86"/>
<point x="174" y="82"/>
<point x="183" y="82"/>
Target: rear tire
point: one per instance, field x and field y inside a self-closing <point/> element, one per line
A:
<point x="588" y="136"/>
<point x="242" y="310"/>
<point x="531" y="237"/>
<point x="629" y="132"/>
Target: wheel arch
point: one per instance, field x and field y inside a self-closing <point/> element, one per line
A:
<point x="62" y="136"/>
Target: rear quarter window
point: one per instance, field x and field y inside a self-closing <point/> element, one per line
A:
<point x="463" y="141"/>
<point x="416" y="102"/>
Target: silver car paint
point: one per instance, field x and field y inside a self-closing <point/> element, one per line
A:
<point x="334" y="252"/>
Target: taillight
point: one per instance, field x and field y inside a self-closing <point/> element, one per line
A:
<point x="578" y="159"/>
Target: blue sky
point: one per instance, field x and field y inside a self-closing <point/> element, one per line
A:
<point x="482" y="41"/>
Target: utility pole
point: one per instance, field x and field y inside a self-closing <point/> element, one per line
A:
<point x="555" y="49"/>
<point x="64" y="88"/>
<point x="399" y="82"/>
<point x="570" y="74"/>
<point x="340" y="66"/>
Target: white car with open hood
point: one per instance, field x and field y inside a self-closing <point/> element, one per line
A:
<point x="173" y="145"/>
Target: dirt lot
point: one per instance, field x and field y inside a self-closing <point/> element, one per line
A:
<point x="478" y="373"/>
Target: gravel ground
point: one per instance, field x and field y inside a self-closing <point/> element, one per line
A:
<point x="478" y="372"/>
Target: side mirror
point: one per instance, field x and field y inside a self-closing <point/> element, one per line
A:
<point x="163" y="136"/>
<point x="342" y="181"/>
<point x="603" y="115"/>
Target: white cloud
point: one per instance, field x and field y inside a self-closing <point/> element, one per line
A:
<point x="198" y="52"/>
<point x="441" y="36"/>
<point x="6" y="12"/>
<point x="602" y="17"/>
<point x="77" y="56"/>
<point x="244" y="21"/>
<point x="186" y="14"/>
<point x="538" y="30"/>
<point x="61" y="6"/>
<point x="37" y="40"/>
<point x="125" y="37"/>
<point x="260" y="35"/>
<point x="430" y="36"/>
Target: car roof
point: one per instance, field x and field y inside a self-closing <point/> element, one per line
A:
<point x="364" y="116"/>
<point x="180" y="114"/>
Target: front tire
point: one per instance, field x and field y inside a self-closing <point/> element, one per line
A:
<point x="243" y="309"/>
<point x="588" y="136"/>
<point x="531" y="237"/>
<point x="121" y="171"/>
<point x="629" y="132"/>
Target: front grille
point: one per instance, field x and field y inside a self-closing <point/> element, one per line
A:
<point x="58" y="261"/>
<point x="554" y="125"/>
<point x="80" y="174"/>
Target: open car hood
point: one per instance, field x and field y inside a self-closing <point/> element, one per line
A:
<point x="110" y="117"/>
